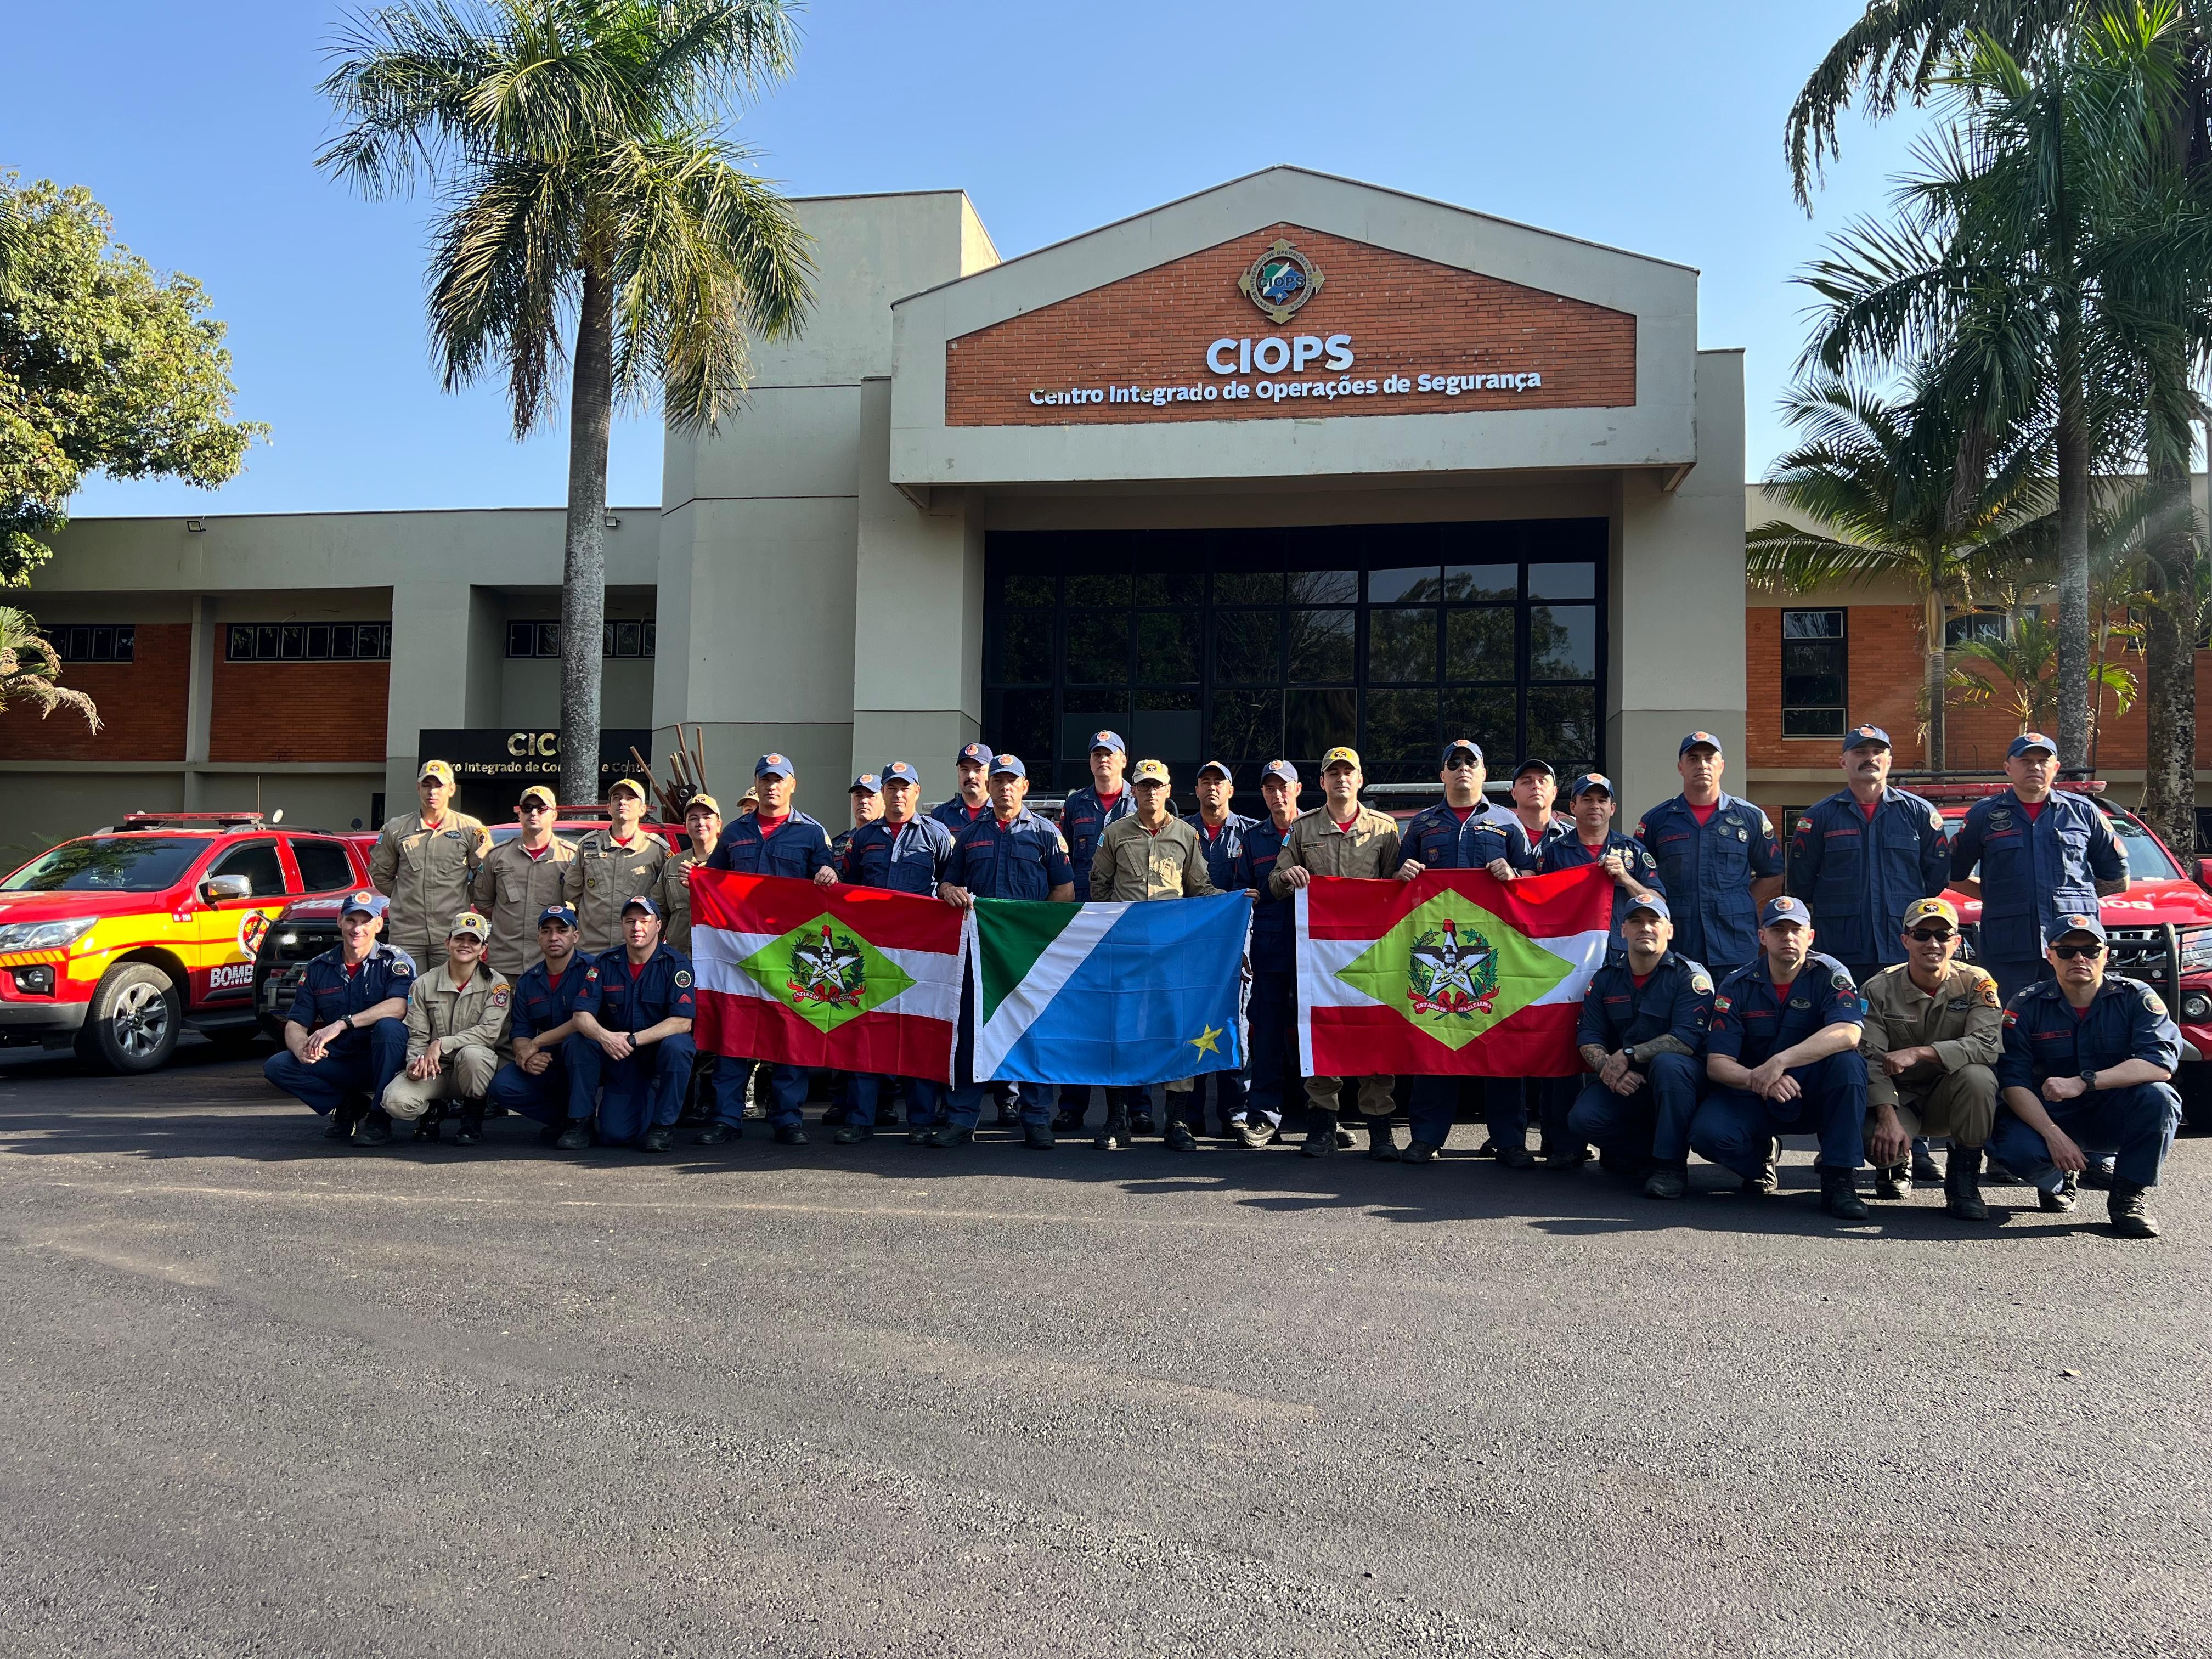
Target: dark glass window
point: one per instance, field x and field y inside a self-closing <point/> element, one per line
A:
<point x="1815" y="676"/>
<point x="99" y="643"/>
<point x="1248" y="645"/>
<point x="621" y="637"/>
<point x="257" y="861"/>
<point x="324" y="867"/>
<point x="308" y="641"/>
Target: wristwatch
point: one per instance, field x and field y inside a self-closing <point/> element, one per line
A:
<point x="2089" y="1078"/>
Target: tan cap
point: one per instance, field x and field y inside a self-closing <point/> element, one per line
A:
<point x="1921" y="909"/>
<point x="538" y="792"/>
<point x="1150" y="771"/>
<point x="703" y="798"/>
<point x="630" y="784"/>
<point x="470" y="922"/>
<point x="1349" y="757"/>
<point x="437" y="770"/>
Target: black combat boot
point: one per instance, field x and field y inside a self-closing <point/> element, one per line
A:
<point x="375" y="1129"/>
<point x="1114" y="1135"/>
<point x="1839" y="1194"/>
<point x="1179" y="1137"/>
<point x="1381" y="1141"/>
<point x="2130" y="1215"/>
<point x="426" y="1127"/>
<point x="1669" y="1178"/>
<point x="1962" y="1184"/>
<point x="472" y="1128"/>
<point x="1038" y="1137"/>
<point x="852" y="1134"/>
<point x="2061" y="1201"/>
<point x="1513" y="1154"/>
<point x="1321" y="1133"/>
<point x="1893" y="1181"/>
<point x="659" y="1139"/>
<point x="1923" y="1163"/>
<point x="575" y="1135"/>
<point x="790" y="1134"/>
<point x="342" y="1120"/>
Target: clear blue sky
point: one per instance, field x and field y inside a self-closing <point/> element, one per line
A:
<point x="1656" y="128"/>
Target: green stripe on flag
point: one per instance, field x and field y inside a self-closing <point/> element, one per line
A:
<point x="1010" y="934"/>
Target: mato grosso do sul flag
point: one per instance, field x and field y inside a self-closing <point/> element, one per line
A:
<point x="1116" y="994"/>
<point x="850" y="978"/>
<point x="1452" y="972"/>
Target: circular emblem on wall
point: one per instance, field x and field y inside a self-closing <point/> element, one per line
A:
<point x="1280" y="281"/>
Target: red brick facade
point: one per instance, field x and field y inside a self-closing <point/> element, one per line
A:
<point x="1407" y="317"/>
<point x="299" y="711"/>
<point x="142" y="706"/>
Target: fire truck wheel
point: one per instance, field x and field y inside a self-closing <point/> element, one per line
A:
<point x="134" y="1021"/>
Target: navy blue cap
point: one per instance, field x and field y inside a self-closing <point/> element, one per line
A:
<point x="640" y="903"/>
<point x="560" y="912"/>
<point x="773" y="766"/>
<point x="2028" y="740"/>
<point x="368" y="904"/>
<point x="1696" y="738"/>
<point x="1589" y="781"/>
<point x="1009" y="765"/>
<point x="1533" y="764"/>
<point x="978" y="752"/>
<point x="1109" y="740"/>
<point x="1859" y="734"/>
<point x="866" y="784"/>
<point x="1221" y="767"/>
<point x="1654" y="902"/>
<point x="1458" y="744"/>
<point x="1279" y="768"/>
<point x="2079" y="922"/>
<point x="1785" y="908"/>
<point x="901" y="772"/>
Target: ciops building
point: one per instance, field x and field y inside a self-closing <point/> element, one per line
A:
<point x="1291" y="463"/>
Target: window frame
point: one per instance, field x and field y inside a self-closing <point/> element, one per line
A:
<point x="1841" y="642"/>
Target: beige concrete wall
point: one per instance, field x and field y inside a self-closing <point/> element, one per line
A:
<point x="1677" y="651"/>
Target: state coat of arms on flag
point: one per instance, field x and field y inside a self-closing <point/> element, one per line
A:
<point x="1452" y="972"/>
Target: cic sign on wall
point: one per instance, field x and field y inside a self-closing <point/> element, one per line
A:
<point x="1291" y="321"/>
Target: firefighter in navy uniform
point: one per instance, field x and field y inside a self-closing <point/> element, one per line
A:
<point x="972" y="799"/>
<point x="901" y="853"/>
<point x="1464" y="831"/>
<point x="1642" y="1032"/>
<point x="672" y="891"/>
<point x="1718" y="860"/>
<point x="345" y="1034"/>
<point x="1272" y="1075"/>
<point x="534" y="1083"/>
<point x="1861" y="856"/>
<point x="633" y="1021"/>
<point x="778" y="840"/>
<point x="1012" y="854"/>
<point x="1105" y="799"/>
<point x="2087" y="1068"/>
<point x="867" y="795"/>
<point x="1783" y="1058"/>
<point x="2043" y="853"/>
<point x="1221" y="834"/>
<point x="1535" y="794"/>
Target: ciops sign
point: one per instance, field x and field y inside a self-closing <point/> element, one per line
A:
<point x="503" y="756"/>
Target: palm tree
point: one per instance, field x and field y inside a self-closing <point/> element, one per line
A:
<point x="2016" y="674"/>
<point x="575" y="143"/>
<point x="1882" y="481"/>
<point x="30" y="669"/>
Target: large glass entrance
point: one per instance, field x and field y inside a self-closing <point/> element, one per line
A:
<point x="1244" y="645"/>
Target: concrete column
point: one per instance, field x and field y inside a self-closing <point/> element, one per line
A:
<point x="1677" y="604"/>
<point x="432" y="625"/>
<point x="918" y="616"/>
<point x="199" y="698"/>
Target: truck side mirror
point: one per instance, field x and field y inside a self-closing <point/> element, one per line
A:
<point x="216" y="889"/>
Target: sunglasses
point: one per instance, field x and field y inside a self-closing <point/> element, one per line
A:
<point x="534" y="807"/>
<point x="1461" y="763"/>
<point x="2068" y="952"/>
<point x="1926" y="935"/>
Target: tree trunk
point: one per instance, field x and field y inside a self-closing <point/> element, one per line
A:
<point x="2072" y="446"/>
<point x="1933" y="667"/>
<point x="2169" y="799"/>
<point x="583" y="563"/>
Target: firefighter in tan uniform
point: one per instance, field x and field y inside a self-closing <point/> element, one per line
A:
<point x="1149" y="855"/>
<point x="1340" y="837"/>
<point x="423" y="862"/>
<point x="457" y="1019"/>
<point x="1934" y="1029"/>
<point x="613" y="866"/>
<point x="519" y="879"/>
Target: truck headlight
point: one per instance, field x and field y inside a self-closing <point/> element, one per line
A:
<point x="2197" y="949"/>
<point x="45" y="935"/>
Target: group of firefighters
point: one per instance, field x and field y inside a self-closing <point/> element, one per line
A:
<point x="562" y="983"/>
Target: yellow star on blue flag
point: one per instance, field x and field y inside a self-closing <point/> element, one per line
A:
<point x="1204" y="1041"/>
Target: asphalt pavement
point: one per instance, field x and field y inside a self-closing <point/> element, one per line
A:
<point x="262" y="1395"/>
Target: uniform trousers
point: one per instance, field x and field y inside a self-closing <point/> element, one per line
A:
<point x="1433" y="1104"/>
<point x="361" y="1074"/>
<point x="1654" y="1122"/>
<point x="1732" y="1126"/>
<point x="788" y="1087"/>
<point x="645" y="1092"/>
<point x="2136" y="1124"/>
<point x="467" y="1074"/>
<point x="925" y="1100"/>
<point x="963" y="1105"/>
<point x="1961" y="1104"/>
<point x="1377" y="1095"/>
<point x="542" y="1097"/>
<point x="1272" y="1020"/>
<point x="1227" y="1088"/>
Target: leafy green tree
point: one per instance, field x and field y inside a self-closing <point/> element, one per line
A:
<point x="31" y="671"/>
<point x="1878" y="480"/>
<point x="596" y="217"/>
<point x="2017" y="674"/>
<point x="105" y="367"/>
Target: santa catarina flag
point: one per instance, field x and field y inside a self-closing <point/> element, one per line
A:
<point x="850" y="978"/>
<point x="1452" y="972"/>
<point x="1116" y="994"/>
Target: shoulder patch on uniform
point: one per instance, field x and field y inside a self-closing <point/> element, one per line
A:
<point x="592" y="974"/>
<point x="1722" y="1004"/>
<point x="1988" y="989"/>
<point x="500" y="994"/>
<point x="1702" y="983"/>
<point x="682" y="980"/>
<point x="1766" y="823"/>
<point x="1061" y="839"/>
<point x="1842" y="980"/>
<point x="1935" y="820"/>
<point x="2012" y="1017"/>
<point x="2152" y="1001"/>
